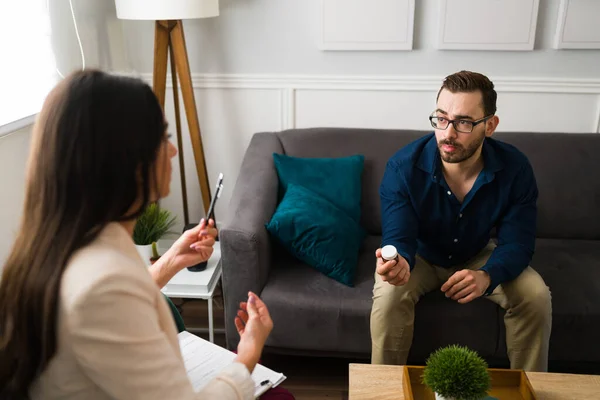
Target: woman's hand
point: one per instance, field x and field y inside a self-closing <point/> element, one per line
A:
<point x="254" y="325"/>
<point x="193" y="246"/>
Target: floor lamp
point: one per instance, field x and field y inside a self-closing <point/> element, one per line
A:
<point x="169" y="43"/>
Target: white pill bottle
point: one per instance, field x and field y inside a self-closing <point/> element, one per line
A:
<point x="389" y="253"/>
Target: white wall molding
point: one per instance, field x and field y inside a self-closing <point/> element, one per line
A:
<point x="366" y="24"/>
<point x="232" y="107"/>
<point x="577" y="26"/>
<point x="487" y="24"/>
<point x="288" y="108"/>
<point x="401" y="101"/>
<point x="388" y="83"/>
<point x="598" y="118"/>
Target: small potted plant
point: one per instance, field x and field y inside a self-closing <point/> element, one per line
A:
<point x="457" y="373"/>
<point x="153" y="224"/>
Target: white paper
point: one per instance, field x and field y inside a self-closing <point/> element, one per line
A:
<point x="204" y="360"/>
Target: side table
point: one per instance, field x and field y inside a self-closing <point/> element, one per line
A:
<point x="196" y="285"/>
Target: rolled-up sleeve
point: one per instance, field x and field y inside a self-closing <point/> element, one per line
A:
<point x="399" y="222"/>
<point x="117" y="339"/>
<point x="516" y="232"/>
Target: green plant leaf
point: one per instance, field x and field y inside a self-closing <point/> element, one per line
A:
<point x="457" y="372"/>
<point x="153" y="224"/>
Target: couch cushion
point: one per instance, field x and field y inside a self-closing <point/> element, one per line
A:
<point x="338" y="317"/>
<point x="338" y="180"/>
<point x="567" y="170"/>
<point x="571" y="268"/>
<point x="315" y="231"/>
<point x="566" y="167"/>
<point x="377" y="145"/>
<point x="473" y="324"/>
<point x="314" y="312"/>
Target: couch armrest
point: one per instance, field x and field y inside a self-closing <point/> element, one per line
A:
<point x="245" y="247"/>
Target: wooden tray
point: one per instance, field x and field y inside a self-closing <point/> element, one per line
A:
<point x="507" y="384"/>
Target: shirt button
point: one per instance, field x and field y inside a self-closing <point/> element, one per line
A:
<point x="459" y="215"/>
<point x="449" y="193"/>
<point x="450" y="257"/>
<point x="455" y="240"/>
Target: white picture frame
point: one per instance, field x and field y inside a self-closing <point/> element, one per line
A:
<point x="508" y="25"/>
<point x="366" y="25"/>
<point x="578" y="25"/>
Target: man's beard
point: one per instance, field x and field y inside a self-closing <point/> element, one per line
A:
<point x="460" y="153"/>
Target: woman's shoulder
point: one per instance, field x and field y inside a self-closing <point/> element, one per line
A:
<point x="108" y="263"/>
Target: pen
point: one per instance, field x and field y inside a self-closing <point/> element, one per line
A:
<point x="266" y="385"/>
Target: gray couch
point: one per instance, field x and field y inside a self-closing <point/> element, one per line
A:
<point x="316" y="315"/>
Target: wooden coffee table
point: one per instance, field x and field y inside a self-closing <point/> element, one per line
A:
<point x="381" y="382"/>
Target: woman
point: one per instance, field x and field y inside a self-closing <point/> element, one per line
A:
<point x="80" y="317"/>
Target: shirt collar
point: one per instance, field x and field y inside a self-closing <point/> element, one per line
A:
<point x="491" y="161"/>
<point x="429" y="159"/>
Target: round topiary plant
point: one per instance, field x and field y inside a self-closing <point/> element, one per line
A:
<point x="457" y="373"/>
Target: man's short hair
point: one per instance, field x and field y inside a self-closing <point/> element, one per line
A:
<point x="467" y="82"/>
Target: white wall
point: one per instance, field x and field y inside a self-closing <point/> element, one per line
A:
<point x="100" y="31"/>
<point x="104" y="47"/>
<point x="281" y="37"/>
<point x="14" y="149"/>
<point x="258" y="67"/>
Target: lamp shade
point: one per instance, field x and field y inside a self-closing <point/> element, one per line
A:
<point x="166" y="9"/>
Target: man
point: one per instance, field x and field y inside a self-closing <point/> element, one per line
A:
<point x="440" y="198"/>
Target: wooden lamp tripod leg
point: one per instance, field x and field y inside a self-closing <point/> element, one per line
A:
<point x="161" y="52"/>
<point x="169" y="38"/>
<point x="189" y="102"/>
<point x="186" y="214"/>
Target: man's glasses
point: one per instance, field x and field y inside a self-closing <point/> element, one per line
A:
<point x="460" y="125"/>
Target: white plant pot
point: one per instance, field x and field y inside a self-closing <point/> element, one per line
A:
<point x="145" y="252"/>
<point x="440" y="397"/>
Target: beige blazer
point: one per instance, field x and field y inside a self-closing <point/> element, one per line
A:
<point x="116" y="334"/>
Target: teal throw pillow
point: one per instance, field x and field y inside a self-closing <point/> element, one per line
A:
<point x="315" y="231"/>
<point x="338" y="180"/>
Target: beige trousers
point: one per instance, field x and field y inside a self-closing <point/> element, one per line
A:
<point x="526" y="299"/>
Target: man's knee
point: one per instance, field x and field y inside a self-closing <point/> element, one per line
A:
<point x="392" y="310"/>
<point x="388" y="298"/>
<point x="538" y="299"/>
<point x="392" y="317"/>
<point x="534" y="294"/>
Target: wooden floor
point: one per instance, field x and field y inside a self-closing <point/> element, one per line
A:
<point x="308" y="378"/>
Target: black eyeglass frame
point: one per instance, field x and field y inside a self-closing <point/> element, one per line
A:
<point x="454" y="121"/>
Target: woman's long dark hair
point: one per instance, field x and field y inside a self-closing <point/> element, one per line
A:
<point x="92" y="158"/>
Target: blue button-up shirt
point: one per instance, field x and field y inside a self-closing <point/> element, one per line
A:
<point x="420" y="214"/>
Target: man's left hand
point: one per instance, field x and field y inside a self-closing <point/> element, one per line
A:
<point x="466" y="285"/>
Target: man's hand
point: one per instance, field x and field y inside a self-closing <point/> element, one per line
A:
<point x="392" y="272"/>
<point x="466" y="285"/>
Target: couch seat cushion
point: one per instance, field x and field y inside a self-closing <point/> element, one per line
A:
<point x="314" y="312"/>
<point x="571" y="268"/>
<point x="315" y="231"/>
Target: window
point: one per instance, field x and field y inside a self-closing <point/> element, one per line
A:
<point x="27" y="64"/>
